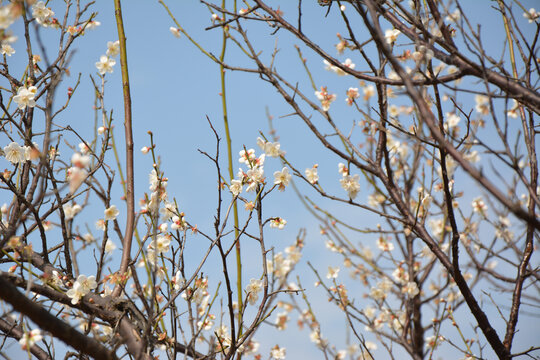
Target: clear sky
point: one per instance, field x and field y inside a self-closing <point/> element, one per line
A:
<point x="175" y="87"/>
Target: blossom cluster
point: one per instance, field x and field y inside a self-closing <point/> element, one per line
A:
<point x="82" y="286"/>
<point x="106" y="62"/>
<point x="16" y="154"/>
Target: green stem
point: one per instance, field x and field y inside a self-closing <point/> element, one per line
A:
<point x="129" y="192"/>
<point x="231" y="172"/>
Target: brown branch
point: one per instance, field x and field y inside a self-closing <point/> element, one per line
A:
<point x="52" y="324"/>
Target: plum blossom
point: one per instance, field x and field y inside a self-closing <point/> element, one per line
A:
<point x="384" y="244"/>
<point x="269" y="148"/>
<point x="82" y="286"/>
<point x="278" y="223"/>
<point x="454" y="16"/>
<point x="100" y="224"/>
<point x="7" y="50"/>
<point x="311" y="174"/>
<point x="479" y="206"/>
<point x="253" y="289"/>
<point x="113" y="48"/>
<point x="163" y="244"/>
<point x="6" y="16"/>
<point x="75" y="177"/>
<point x="325" y="98"/>
<point x="410" y="288"/>
<point x="80" y="160"/>
<point x="25" y="97"/>
<point x="111" y="213"/>
<point x="246" y="157"/>
<point x="71" y="210"/>
<point x="255" y="176"/>
<point x="109" y="246"/>
<point x="277" y="353"/>
<point x="482" y="104"/>
<point x="175" y="31"/>
<point x="105" y="64"/>
<point x="368" y="91"/>
<point x="351" y="185"/>
<point x="352" y="94"/>
<point x="513" y="111"/>
<point x="452" y="119"/>
<point x="391" y="35"/>
<point x="332" y="272"/>
<point x="531" y="15"/>
<point x="178" y="223"/>
<point x="30" y="338"/>
<point x="42" y="14"/>
<point x="14" y="153"/>
<point x="282" y="178"/>
<point x="236" y="187"/>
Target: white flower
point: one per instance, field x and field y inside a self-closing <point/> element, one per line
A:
<point x="253" y="289"/>
<point x="25" y="97"/>
<point x="278" y="223"/>
<point x="236" y="187"/>
<point x="87" y="283"/>
<point x="453" y="16"/>
<point x="452" y="119"/>
<point x="30" y="338"/>
<point x="247" y="156"/>
<point x="76" y="293"/>
<point x="282" y="178"/>
<point x="178" y="281"/>
<point x="482" y="104"/>
<point x="105" y="64"/>
<point x="175" y="31"/>
<point x="384" y="244"/>
<point x="333" y="272"/>
<point x="7" y="50"/>
<point x="178" y="223"/>
<point x="168" y="210"/>
<point x="311" y="174"/>
<point x="70" y="211"/>
<point x="14" y="153"/>
<point x="391" y="35"/>
<point x="368" y="91"/>
<point x="111" y="213"/>
<point x="91" y="25"/>
<point x="352" y="94"/>
<point x="277" y="353"/>
<point x="270" y="149"/>
<point x="113" y="48"/>
<point x="325" y="98"/>
<point x="75" y="177"/>
<point x="42" y="14"/>
<point x="513" y="111"/>
<point x="100" y="224"/>
<point x="88" y="238"/>
<point x="348" y="63"/>
<point x="109" y="246"/>
<point x="6" y="16"/>
<point x="531" y="15"/>
<point x="79" y="160"/>
<point x="351" y="185"/>
<point x="255" y="176"/>
<point x="163" y="244"/>
<point x="411" y="288"/>
<point x="343" y="169"/>
<point x="479" y="206"/>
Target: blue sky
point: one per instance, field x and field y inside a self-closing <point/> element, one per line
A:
<point x="174" y="88"/>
